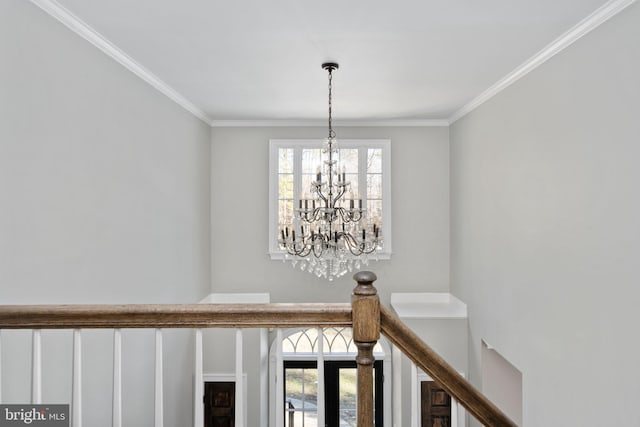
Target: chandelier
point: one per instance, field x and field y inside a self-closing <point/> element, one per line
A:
<point x="333" y="235"/>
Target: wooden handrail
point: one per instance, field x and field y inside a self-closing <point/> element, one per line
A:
<point x="441" y="372"/>
<point x="174" y="316"/>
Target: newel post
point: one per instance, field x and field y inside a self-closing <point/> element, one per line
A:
<point x="366" y="332"/>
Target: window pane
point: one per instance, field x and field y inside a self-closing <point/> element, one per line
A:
<point x="301" y="397"/>
<point x="285" y="214"/>
<point x="307" y="179"/>
<point x="374" y="186"/>
<point x="285" y="186"/>
<point x="285" y="160"/>
<point x="311" y="159"/>
<point x="337" y="340"/>
<point x="352" y="178"/>
<point x="374" y="160"/>
<point x="348" y="158"/>
<point x="305" y="342"/>
<point x="347" y="399"/>
<point x="374" y="212"/>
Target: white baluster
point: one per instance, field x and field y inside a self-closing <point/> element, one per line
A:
<point x="396" y="360"/>
<point x="76" y="390"/>
<point x="0" y="365"/>
<point x="264" y="378"/>
<point x="321" y="404"/>
<point x="159" y="409"/>
<point x="279" y="381"/>
<point x="198" y="406"/>
<point x="116" y="405"/>
<point x="239" y="382"/>
<point x="36" y="367"/>
<point x="415" y="404"/>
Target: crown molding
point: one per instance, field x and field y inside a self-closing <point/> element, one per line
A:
<point x="591" y="22"/>
<point x="323" y="123"/>
<point x="76" y="25"/>
<point x="598" y="17"/>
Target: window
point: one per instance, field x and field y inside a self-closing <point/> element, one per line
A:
<point x="293" y="166"/>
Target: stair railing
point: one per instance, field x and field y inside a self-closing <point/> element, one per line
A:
<point x="365" y="315"/>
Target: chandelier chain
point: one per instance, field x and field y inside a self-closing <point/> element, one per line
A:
<point x="332" y="133"/>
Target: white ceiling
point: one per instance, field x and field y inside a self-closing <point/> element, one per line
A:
<point x="399" y="60"/>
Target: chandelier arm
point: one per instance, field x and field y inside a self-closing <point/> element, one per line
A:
<point x="320" y="195"/>
<point x="352" y="244"/>
<point x="318" y="253"/>
<point x="303" y="252"/>
<point x="345" y="216"/>
<point x="360" y="247"/>
<point x="341" y="190"/>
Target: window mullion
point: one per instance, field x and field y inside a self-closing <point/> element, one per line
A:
<point x="297" y="182"/>
<point x="362" y="174"/>
<point x="321" y="383"/>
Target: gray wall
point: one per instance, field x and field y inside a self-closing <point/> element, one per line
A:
<point x="420" y="203"/>
<point x="546" y="232"/>
<point x="502" y="383"/>
<point x="240" y="262"/>
<point x="104" y="198"/>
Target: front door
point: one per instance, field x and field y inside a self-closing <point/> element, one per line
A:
<point x="219" y="404"/>
<point x="436" y="405"/>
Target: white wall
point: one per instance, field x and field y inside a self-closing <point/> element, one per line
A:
<point x="240" y="262"/>
<point x="420" y="203"/>
<point x="546" y="232"/>
<point x="104" y="198"/>
<point x="502" y="383"/>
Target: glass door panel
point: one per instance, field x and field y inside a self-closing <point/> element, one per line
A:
<point x="347" y="380"/>
<point x="301" y="397"/>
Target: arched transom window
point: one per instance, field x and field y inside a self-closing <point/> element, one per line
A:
<point x="335" y="340"/>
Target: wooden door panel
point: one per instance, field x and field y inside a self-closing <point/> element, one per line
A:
<point x="219" y="404"/>
<point x="435" y="405"/>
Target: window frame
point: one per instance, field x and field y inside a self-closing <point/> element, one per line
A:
<point x="298" y="144"/>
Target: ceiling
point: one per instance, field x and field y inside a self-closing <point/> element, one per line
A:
<point x="260" y="59"/>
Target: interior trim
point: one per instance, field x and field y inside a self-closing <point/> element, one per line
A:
<point x="591" y="22"/>
<point x="76" y="25"/>
<point x="323" y="123"/>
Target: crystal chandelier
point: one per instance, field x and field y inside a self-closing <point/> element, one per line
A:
<point x="333" y="236"/>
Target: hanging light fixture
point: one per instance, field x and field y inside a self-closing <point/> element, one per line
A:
<point x="333" y="235"/>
